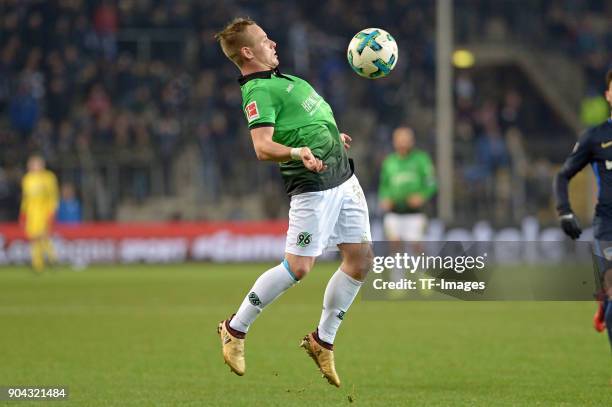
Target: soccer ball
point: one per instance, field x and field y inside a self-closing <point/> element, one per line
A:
<point x="372" y="53"/>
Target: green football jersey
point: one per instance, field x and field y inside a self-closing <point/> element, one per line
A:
<point x="402" y="176"/>
<point x="300" y="117"/>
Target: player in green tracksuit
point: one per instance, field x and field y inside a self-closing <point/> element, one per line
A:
<point x="291" y="124"/>
<point x="407" y="182"/>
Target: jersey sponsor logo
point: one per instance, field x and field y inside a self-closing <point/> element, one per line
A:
<point x="251" y="111"/>
<point x="341" y="315"/>
<point x="289" y="88"/>
<point x="304" y="239"/>
<point x="606" y="144"/>
<point x="312" y="103"/>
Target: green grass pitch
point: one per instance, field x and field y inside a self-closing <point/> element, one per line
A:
<point x="145" y="336"/>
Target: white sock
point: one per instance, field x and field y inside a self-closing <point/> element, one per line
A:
<point x="268" y="287"/>
<point x="339" y="295"/>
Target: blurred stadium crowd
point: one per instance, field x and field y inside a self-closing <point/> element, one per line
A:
<point x="132" y="100"/>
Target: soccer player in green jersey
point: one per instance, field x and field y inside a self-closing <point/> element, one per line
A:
<point x="295" y="127"/>
<point x="407" y="181"/>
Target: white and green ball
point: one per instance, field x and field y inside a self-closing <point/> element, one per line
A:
<point x="372" y="53"/>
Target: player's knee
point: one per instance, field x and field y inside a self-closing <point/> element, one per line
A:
<point x="300" y="270"/>
<point x="299" y="267"/>
<point x="368" y="257"/>
<point x="359" y="265"/>
<point x="365" y="265"/>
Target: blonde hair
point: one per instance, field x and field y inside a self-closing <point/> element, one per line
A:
<point x="233" y="37"/>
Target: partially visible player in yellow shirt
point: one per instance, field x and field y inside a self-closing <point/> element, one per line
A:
<point x="39" y="203"/>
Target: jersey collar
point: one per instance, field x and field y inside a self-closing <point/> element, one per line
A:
<point x="262" y="75"/>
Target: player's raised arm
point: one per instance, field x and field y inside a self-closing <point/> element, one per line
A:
<point x="267" y="149"/>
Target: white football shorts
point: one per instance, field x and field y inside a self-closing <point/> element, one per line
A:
<point x="408" y="227"/>
<point x="323" y="219"/>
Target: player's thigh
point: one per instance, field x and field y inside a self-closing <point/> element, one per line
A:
<point x="391" y="226"/>
<point x="312" y="216"/>
<point x="35" y="227"/>
<point x="603" y="255"/>
<point x="353" y="224"/>
<point x="412" y="227"/>
<point x="602" y="228"/>
<point x="352" y="231"/>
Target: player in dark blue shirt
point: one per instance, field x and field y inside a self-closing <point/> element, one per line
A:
<point x="594" y="148"/>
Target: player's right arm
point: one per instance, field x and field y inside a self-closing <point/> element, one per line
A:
<point x="267" y="149"/>
<point x="261" y="110"/>
<point x="581" y="155"/>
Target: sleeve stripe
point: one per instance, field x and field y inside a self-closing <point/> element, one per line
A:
<point x="256" y="125"/>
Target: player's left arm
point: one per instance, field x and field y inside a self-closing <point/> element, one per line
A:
<point x="576" y="161"/>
